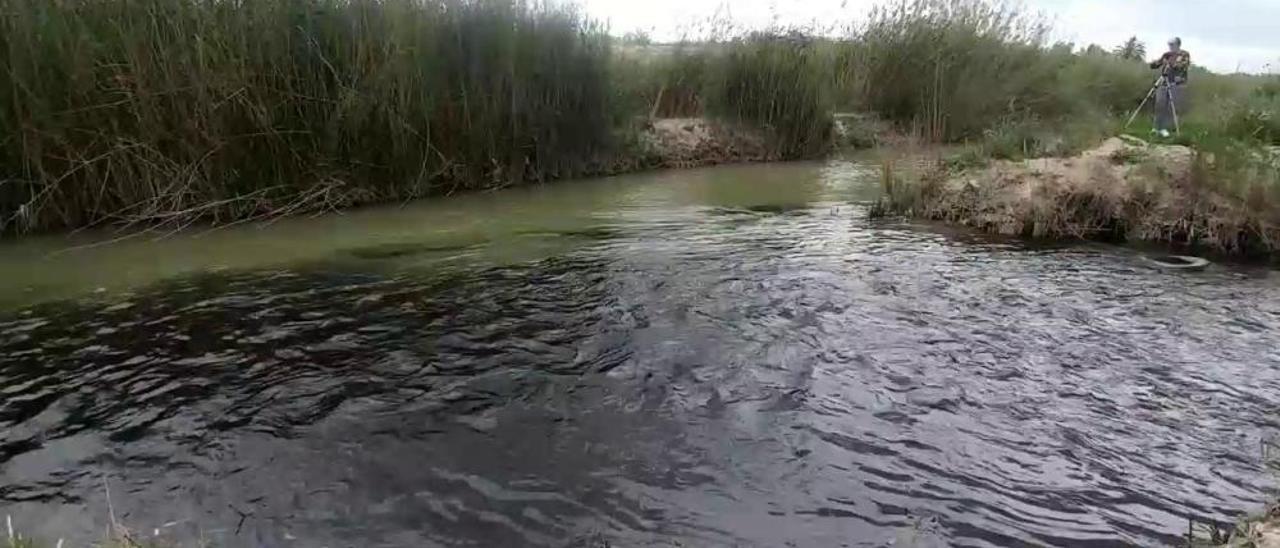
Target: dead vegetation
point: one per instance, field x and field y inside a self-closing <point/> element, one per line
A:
<point x="694" y="142"/>
<point x="1122" y="190"/>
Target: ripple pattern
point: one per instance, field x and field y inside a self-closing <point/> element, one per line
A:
<point x="700" y="376"/>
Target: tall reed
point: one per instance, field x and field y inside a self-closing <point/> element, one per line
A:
<point x="777" y="82"/>
<point x="952" y="69"/>
<point x="163" y="111"/>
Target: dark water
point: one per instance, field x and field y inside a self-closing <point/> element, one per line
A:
<point x="704" y="358"/>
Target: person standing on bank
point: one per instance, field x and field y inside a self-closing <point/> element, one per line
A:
<point x="1171" y="95"/>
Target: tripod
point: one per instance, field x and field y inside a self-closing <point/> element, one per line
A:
<point x="1173" y="105"/>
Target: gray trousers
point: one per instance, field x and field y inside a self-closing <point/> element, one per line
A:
<point x="1165" y="107"/>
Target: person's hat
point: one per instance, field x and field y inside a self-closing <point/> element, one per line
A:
<point x="1175" y="41"/>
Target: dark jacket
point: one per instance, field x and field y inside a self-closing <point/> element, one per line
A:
<point x="1174" y="65"/>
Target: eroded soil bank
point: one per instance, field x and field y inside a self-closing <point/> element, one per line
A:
<point x="658" y="143"/>
<point x="695" y="142"/>
<point x="1123" y="190"/>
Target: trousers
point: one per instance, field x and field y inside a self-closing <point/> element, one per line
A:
<point x="1169" y="97"/>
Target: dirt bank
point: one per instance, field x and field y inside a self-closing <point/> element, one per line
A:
<point x="1124" y="189"/>
<point x="1260" y="532"/>
<point x="1255" y="531"/>
<point x="694" y="142"/>
<point x="660" y="143"/>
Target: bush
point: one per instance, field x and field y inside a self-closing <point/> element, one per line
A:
<point x="1101" y="85"/>
<point x="1255" y="119"/>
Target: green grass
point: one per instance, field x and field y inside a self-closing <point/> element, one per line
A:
<point x="1231" y="136"/>
<point x="978" y="73"/>
<point x="969" y="70"/>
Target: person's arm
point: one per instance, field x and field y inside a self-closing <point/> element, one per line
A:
<point x="1158" y="62"/>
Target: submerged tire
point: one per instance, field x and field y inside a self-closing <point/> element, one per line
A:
<point x="1178" y="262"/>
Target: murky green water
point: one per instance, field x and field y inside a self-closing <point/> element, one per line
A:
<point x="733" y="356"/>
<point x="477" y="230"/>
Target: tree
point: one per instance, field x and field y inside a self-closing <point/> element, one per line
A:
<point x="637" y="38"/>
<point x="1132" y="50"/>
<point x="1095" y="49"/>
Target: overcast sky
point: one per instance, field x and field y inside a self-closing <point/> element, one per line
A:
<point x="1223" y="35"/>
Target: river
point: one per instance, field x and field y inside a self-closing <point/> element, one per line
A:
<point x="731" y="356"/>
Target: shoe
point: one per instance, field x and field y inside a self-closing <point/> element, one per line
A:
<point x="1164" y="134"/>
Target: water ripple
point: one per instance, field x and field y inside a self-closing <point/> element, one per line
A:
<point x="702" y="376"/>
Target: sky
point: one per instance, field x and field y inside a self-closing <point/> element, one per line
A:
<point x="1222" y="35"/>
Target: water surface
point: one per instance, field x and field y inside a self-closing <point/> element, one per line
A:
<point x="724" y="357"/>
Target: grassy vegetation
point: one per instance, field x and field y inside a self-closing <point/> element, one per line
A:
<point x="158" y="113"/>
<point x="148" y="110"/>
<point x="971" y="72"/>
<point x="155" y="112"/>
<point x="947" y="69"/>
<point x="117" y="537"/>
<point x="777" y="81"/>
<point x="975" y="72"/>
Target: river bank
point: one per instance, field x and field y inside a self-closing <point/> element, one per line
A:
<point x="285" y="107"/>
<point x="1122" y="190"/>
<point x="653" y="144"/>
<point x="633" y="358"/>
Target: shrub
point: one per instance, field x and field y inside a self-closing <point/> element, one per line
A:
<point x="1255" y="119"/>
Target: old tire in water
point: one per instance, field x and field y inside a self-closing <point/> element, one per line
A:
<point x="1179" y="262"/>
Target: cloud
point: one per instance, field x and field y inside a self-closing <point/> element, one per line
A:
<point x="1222" y="36"/>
